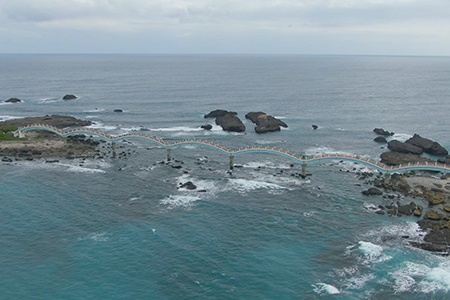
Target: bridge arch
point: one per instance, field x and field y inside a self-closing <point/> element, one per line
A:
<point x="247" y="150"/>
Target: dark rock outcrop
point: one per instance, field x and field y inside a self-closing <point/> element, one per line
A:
<point x="372" y="192"/>
<point x="380" y="139"/>
<point x="427" y="145"/>
<point x="314" y="127"/>
<point x="219" y="113"/>
<point x="13" y="100"/>
<point x="407" y="209"/>
<point x="445" y="160"/>
<point x="188" y="185"/>
<point x="397" y="158"/>
<point x="404" y="147"/>
<point x="265" y="123"/>
<point x="118" y="110"/>
<point x="206" y="126"/>
<point x="69" y="97"/>
<point x="383" y="132"/>
<point x="229" y="122"/>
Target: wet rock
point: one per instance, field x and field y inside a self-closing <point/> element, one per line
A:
<point x="206" y="126"/>
<point x="397" y="146"/>
<point x="383" y="132"/>
<point x="372" y="192"/>
<point x="380" y="139"/>
<point x="69" y="97"/>
<point x="188" y="185"/>
<point x="427" y="145"/>
<point x="118" y="110"/>
<point x="407" y="209"/>
<point x="314" y="127"/>
<point x="13" y="100"/>
<point x="230" y="122"/>
<point x="219" y="113"/>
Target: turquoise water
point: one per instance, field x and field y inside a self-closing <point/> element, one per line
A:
<point x="120" y="228"/>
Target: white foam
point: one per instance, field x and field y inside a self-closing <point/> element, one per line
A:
<point x="177" y="128"/>
<point x="174" y="201"/>
<point x="323" y="289"/>
<point x="99" y="125"/>
<point x="246" y="185"/>
<point x="401" y="137"/>
<point x="4" y="118"/>
<point x="48" y="100"/>
<point x="370" y="250"/>
<point x="324" y="150"/>
<point x="97" y="237"/>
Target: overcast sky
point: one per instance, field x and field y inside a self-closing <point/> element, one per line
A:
<point x="378" y="27"/>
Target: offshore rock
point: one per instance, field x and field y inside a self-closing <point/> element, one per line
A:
<point x="219" y="113"/>
<point x="427" y="145"/>
<point x="380" y="139"/>
<point x="188" y="185"/>
<point x="206" y="126"/>
<point x="13" y="100"/>
<point x="383" y="132"/>
<point x="265" y="123"/>
<point x="404" y="147"/>
<point x="69" y="97"/>
<point x="229" y="122"/>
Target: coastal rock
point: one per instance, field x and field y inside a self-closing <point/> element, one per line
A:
<point x="219" y="113"/>
<point x="13" y="100"/>
<point x="229" y="122"/>
<point x="407" y="209"/>
<point x="69" y="97"/>
<point x="397" y="158"/>
<point x="372" y="192"/>
<point x="433" y="215"/>
<point x="265" y="123"/>
<point x="118" y="110"/>
<point x="383" y="132"/>
<point x="314" y="127"/>
<point x="445" y="160"/>
<point x="397" y="146"/>
<point x="380" y="139"/>
<point x="206" y="126"/>
<point x="188" y="185"/>
<point x="427" y="145"/>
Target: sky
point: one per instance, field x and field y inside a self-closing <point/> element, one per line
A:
<point x="348" y="27"/>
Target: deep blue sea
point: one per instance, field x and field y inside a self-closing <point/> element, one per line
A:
<point x="119" y="228"/>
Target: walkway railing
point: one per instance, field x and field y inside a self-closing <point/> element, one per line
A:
<point x="433" y="166"/>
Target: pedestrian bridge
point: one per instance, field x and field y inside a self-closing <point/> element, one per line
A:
<point x="303" y="159"/>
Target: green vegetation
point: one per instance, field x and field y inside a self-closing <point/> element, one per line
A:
<point x="4" y="130"/>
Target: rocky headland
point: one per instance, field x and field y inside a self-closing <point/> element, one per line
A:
<point x="42" y="143"/>
<point x="432" y="192"/>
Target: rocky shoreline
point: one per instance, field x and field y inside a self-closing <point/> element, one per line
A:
<point x="44" y="144"/>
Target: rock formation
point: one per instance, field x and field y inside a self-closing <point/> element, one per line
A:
<point x="265" y="123"/>
<point x="13" y="100"/>
<point x="427" y="145"/>
<point x="397" y="146"/>
<point x="69" y="97"/>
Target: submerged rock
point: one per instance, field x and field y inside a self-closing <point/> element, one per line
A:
<point x="206" y="126"/>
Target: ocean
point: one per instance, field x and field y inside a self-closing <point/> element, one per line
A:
<point x="121" y="228"/>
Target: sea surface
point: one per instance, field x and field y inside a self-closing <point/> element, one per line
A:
<point x="120" y="228"/>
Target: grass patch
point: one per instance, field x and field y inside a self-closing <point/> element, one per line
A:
<point x="6" y="129"/>
<point x="5" y="137"/>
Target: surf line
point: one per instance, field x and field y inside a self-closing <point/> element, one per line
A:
<point x="303" y="159"/>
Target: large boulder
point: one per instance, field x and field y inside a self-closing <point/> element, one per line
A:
<point x="427" y="145"/>
<point x="396" y="158"/>
<point x="229" y="122"/>
<point x="397" y="146"/>
<point x="253" y="116"/>
<point x="380" y="139"/>
<point x="219" y="113"/>
<point x="13" y="100"/>
<point x="407" y="209"/>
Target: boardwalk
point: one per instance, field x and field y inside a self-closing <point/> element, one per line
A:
<point x="252" y="149"/>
